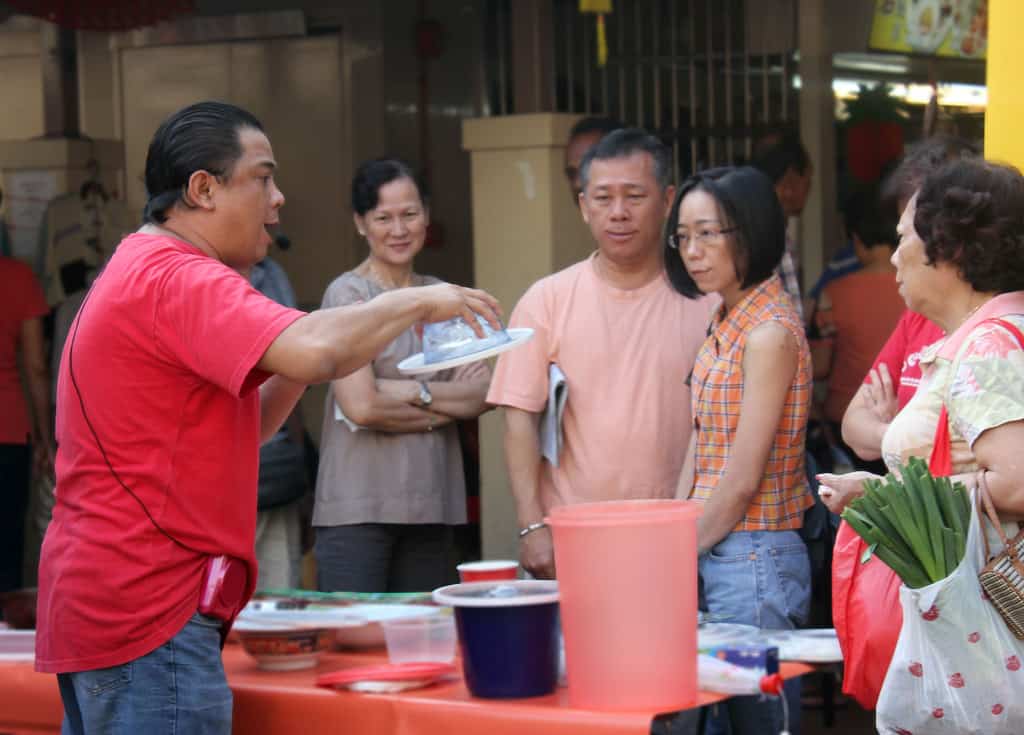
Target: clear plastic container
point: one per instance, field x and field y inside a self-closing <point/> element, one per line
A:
<point x="455" y="338"/>
<point x="429" y="638"/>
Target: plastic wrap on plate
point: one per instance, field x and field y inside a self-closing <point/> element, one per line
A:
<point x="812" y="645"/>
<point x="718" y="635"/>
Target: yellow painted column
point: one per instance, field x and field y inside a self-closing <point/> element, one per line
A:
<point x="1005" y="56"/>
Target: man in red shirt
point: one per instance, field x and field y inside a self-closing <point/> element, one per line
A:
<point x="174" y="371"/>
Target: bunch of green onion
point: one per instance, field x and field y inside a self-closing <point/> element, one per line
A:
<point x="915" y="523"/>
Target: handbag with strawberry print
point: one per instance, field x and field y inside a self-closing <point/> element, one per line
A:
<point x="957" y="667"/>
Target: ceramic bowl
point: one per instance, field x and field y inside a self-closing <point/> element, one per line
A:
<point x="284" y="647"/>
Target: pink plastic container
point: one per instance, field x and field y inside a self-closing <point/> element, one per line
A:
<point x="627" y="574"/>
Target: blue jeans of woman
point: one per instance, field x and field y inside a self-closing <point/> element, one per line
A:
<point x="178" y="689"/>
<point x="760" y="578"/>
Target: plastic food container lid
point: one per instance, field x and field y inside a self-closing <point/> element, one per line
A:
<point x="613" y="512"/>
<point x="412" y="671"/>
<point x="498" y="593"/>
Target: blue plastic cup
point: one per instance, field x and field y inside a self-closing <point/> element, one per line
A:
<point x="508" y="636"/>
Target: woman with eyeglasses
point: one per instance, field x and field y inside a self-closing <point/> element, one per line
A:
<point x="751" y="391"/>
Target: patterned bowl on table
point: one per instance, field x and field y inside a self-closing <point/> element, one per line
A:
<point x="284" y="646"/>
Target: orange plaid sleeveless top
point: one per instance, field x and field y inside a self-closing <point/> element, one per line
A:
<point x="717" y="394"/>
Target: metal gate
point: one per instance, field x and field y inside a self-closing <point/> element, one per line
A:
<point x="683" y="69"/>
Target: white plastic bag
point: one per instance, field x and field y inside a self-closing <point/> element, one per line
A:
<point x="957" y="667"/>
<point x="715" y="675"/>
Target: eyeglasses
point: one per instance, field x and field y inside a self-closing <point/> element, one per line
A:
<point x="703" y="237"/>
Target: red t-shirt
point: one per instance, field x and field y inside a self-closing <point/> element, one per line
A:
<point x="860" y="309"/>
<point x="162" y="354"/>
<point x="23" y="300"/>
<point x="902" y="353"/>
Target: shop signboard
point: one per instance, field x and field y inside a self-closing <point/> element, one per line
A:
<point x="949" y="28"/>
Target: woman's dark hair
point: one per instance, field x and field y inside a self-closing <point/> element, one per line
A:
<point x="747" y="202"/>
<point x="594" y="124"/>
<point x="200" y="137"/>
<point x="871" y="218"/>
<point x="372" y="175"/>
<point x="970" y="213"/>
<point x="778" y="152"/>
<point x="923" y="158"/>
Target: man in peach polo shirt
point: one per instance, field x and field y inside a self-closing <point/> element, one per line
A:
<point x="623" y="338"/>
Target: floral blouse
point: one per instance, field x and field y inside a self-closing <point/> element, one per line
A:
<point x="984" y="387"/>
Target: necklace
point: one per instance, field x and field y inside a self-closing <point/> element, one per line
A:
<point x="969" y="314"/>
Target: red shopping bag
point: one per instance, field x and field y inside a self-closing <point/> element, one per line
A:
<point x="867" y="616"/>
<point x="866" y="597"/>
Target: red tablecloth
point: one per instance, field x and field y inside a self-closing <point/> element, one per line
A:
<point x="288" y="702"/>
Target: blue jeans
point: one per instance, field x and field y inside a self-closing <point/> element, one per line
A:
<point x="760" y="578"/>
<point x="178" y="689"/>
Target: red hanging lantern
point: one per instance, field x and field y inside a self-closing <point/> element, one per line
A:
<point x="874" y="132"/>
<point x="104" y="15"/>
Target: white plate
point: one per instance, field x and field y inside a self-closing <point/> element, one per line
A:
<point x="713" y="635"/>
<point x="811" y="645"/>
<point x="254" y="619"/>
<point x="17" y="645"/>
<point x="415" y="364"/>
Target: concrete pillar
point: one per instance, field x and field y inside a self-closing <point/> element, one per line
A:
<point x="1003" y="141"/>
<point x="532" y="56"/>
<point x="819" y="224"/>
<point x="525" y="226"/>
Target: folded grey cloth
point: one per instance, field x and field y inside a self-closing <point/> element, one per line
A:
<point x="551" y="418"/>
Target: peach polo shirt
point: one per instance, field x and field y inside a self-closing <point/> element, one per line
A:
<point x="626" y="356"/>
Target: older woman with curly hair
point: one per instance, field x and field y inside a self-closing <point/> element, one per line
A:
<point x="960" y="262"/>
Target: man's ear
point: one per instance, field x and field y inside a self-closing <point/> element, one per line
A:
<point x="581" y="201"/>
<point x="360" y="224"/>
<point x="670" y="195"/>
<point x="200" y="190"/>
